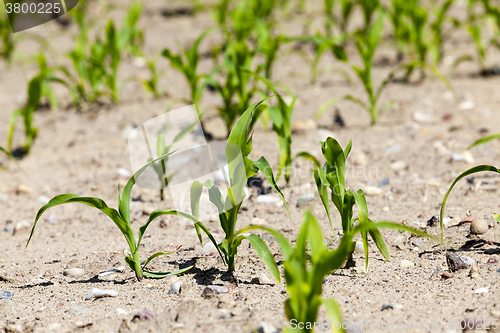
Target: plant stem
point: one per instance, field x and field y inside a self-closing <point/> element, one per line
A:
<point x="137" y="265"/>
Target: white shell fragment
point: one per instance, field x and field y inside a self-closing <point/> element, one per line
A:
<point x="267" y="199"/>
<point x="481" y="290"/>
<point x="111" y="271"/>
<point x="98" y="293"/>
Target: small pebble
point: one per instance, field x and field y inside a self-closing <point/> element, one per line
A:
<point x="387" y="307"/>
<point x="266" y="328"/>
<point x="43" y="200"/>
<point x="406" y="264"/>
<point x="120" y="269"/>
<point x="22" y="225"/>
<point x="492" y="261"/>
<point x="359" y="247"/>
<point x="455" y="262"/>
<point x="447" y="275"/>
<point x="5" y="294"/>
<point x="474" y="272"/>
<point x="97" y="293"/>
<point x="372" y="190"/>
<point x="209" y="248"/>
<point x="73" y="272"/>
<point x="433" y="221"/>
<point x="175" y="289"/>
<point x="124" y="172"/>
<point x="120" y="311"/>
<point x="143" y="315"/>
<point x="478" y="227"/>
<point x="398" y="166"/>
<point x="481" y="290"/>
<point x="305" y="199"/>
<point x="258" y="221"/>
<point x="212" y="290"/>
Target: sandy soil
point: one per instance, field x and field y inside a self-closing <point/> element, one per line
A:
<point x="81" y="152"/>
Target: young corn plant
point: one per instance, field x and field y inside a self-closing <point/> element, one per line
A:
<point x="268" y="46"/>
<point x="38" y="89"/>
<point x="235" y="92"/>
<point x="6" y="36"/>
<point x="281" y="116"/>
<point x="439" y="35"/>
<point x="306" y="266"/>
<point x="151" y="85"/>
<point x="332" y="176"/>
<point x="475" y="26"/>
<point x="130" y="36"/>
<point x="342" y="21"/>
<point x="240" y="169"/>
<point x="367" y="44"/>
<point x="187" y="64"/>
<point x="121" y="218"/>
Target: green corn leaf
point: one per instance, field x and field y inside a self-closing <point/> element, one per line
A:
<point x="112" y="213"/>
<point x="286" y="248"/>
<point x="263" y="251"/>
<point x="267" y="171"/>
<point x="315" y="236"/>
<point x="484" y="140"/>
<point x="380" y="243"/>
<point x="124" y="204"/>
<point x="322" y="109"/>
<point x="187" y="216"/>
<point x="496" y="217"/>
<point x="334" y="313"/>
<point x="466" y="173"/>
<point x="130" y="262"/>
<point x="323" y="194"/>
<point x="157" y="255"/>
<point x="158" y="275"/>
<point x="309" y="157"/>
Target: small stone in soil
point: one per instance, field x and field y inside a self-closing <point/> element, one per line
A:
<point x="492" y="261"/>
<point x="73" y="272"/>
<point x="175" y="289"/>
<point x="305" y="199"/>
<point x="97" y="293"/>
<point x="387" y="307"/>
<point x="111" y="271"/>
<point x="5" y="294"/>
<point x="433" y="221"/>
<point x="478" y="227"/>
<point x="143" y="315"/>
<point x="406" y="264"/>
<point x="266" y="328"/>
<point x="267" y="199"/>
<point x="481" y="290"/>
<point x="212" y="290"/>
<point x="455" y="262"/>
<point x="120" y="311"/>
<point x="447" y="275"/>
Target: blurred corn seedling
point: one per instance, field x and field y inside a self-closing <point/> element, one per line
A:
<point x="121" y="218"/>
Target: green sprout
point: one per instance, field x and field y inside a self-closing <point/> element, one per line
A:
<point x="38" y="88"/>
<point x="306" y="266"/>
<point x="332" y="176"/>
<point x="130" y="37"/>
<point x="281" y="116"/>
<point x="346" y="9"/>
<point x="367" y="44"/>
<point x="474" y="25"/>
<point x="151" y="85"/>
<point x="484" y="140"/>
<point x="241" y="168"/>
<point x="6" y="37"/>
<point x="236" y="67"/>
<point x="268" y="46"/>
<point x="438" y="35"/>
<point x="187" y="64"/>
<point x="121" y="218"/>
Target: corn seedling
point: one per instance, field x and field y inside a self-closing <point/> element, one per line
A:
<point x="268" y="46"/>
<point x="346" y="9"/>
<point x="130" y="37"/>
<point x="475" y="25"/>
<point x="436" y="26"/>
<point x="369" y="8"/>
<point x="38" y="88"/>
<point x="6" y="36"/>
<point x="236" y="66"/>
<point x="367" y="44"/>
<point x="306" y="266"/>
<point x="281" y="116"/>
<point x="476" y="169"/>
<point x="151" y="85"/>
<point x="121" y="218"/>
<point x="240" y="169"/>
<point x="332" y="176"/>
<point x="187" y="64"/>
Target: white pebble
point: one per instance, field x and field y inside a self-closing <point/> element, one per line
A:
<point x="481" y="290"/>
<point x="124" y="172"/>
<point x="121" y="312"/>
<point x="97" y="293"/>
<point x="372" y="190"/>
<point x="73" y="272"/>
<point x="111" y="271"/>
<point x="209" y="248"/>
<point x="406" y="264"/>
